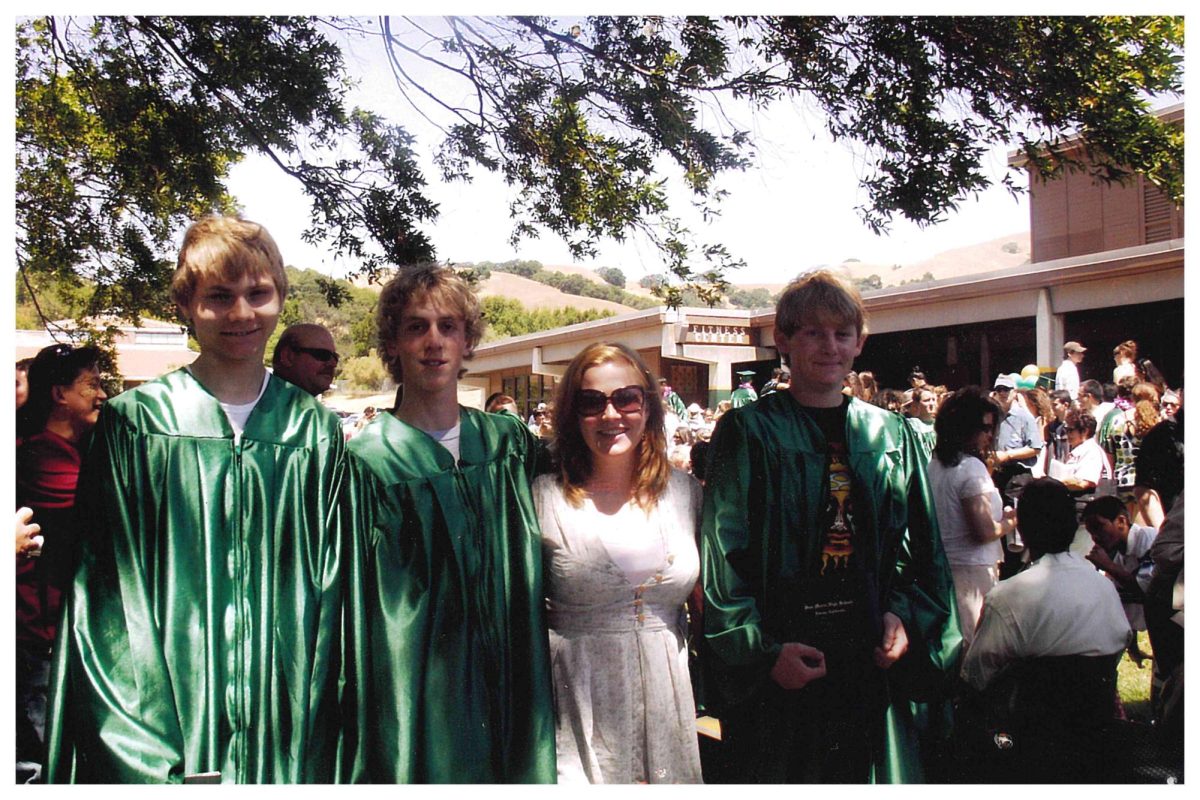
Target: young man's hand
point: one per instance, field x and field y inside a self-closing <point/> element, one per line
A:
<point x="798" y="665"/>
<point x="894" y="643"/>
<point x="1101" y="560"/>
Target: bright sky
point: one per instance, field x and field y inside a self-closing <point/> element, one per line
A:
<point x="794" y="209"/>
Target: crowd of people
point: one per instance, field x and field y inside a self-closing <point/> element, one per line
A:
<point x="216" y="585"/>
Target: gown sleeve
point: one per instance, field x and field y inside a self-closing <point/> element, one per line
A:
<point x="359" y="511"/>
<point x="115" y="720"/>
<point x="922" y="589"/>
<point x="738" y="650"/>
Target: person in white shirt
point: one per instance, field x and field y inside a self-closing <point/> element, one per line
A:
<point x="1059" y="606"/>
<point x="970" y="515"/>
<point x="1125" y="358"/>
<point x="1086" y="465"/>
<point x="1067" y="377"/>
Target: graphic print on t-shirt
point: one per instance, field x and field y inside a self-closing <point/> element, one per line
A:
<point x="839" y="539"/>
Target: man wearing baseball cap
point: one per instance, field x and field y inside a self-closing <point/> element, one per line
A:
<point x="1019" y="441"/>
<point x="1068" y="372"/>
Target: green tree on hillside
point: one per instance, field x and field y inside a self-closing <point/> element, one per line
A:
<point x="750" y="298"/>
<point x="508" y="317"/>
<point x="523" y="267"/>
<point x="869" y="283"/>
<point x="612" y="275"/>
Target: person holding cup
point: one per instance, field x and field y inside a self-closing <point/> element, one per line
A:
<point x="969" y="511"/>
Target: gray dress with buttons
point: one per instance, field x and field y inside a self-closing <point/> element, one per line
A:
<point x="625" y="712"/>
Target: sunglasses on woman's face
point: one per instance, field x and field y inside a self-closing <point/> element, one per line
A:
<point x="626" y="400"/>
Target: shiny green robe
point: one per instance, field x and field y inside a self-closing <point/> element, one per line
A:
<point x="675" y="403"/>
<point x="766" y="480"/>
<point x="742" y="396"/>
<point x="202" y="633"/>
<point x="446" y="631"/>
<point x="926" y="437"/>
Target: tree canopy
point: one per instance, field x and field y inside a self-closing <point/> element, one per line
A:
<point x="127" y="126"/>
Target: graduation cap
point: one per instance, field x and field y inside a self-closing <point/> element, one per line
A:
<point x="746" y="373"/>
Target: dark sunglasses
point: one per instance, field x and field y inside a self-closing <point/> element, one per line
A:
<point x="626" y="400"/>
<point x="319" y="353"/>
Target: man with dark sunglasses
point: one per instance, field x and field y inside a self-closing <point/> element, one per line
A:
<point x="306" y="356"/>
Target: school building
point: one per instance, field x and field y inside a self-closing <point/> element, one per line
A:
<point x="1107" y="264"/>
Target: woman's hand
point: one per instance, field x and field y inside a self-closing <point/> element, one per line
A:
<point x="29" y="542"/>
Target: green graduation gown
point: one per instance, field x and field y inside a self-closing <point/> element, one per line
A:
<point x="202" y="633"/>
<point x="742" y="396"/>
<point x="675" y="403"/>
<point x="766" y="488"/>
<point x="926" y="437"/>
<point x="447" y="628"/>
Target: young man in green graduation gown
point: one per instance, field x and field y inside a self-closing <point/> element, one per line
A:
<point x="201" y="637"/>
<point x="828" y="600"/>
<point x="446" y="627"/>
<point x="744" y="394"/>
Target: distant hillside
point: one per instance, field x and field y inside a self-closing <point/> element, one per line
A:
<point x="1000" y="253"/>
<point x="532" y="294"/>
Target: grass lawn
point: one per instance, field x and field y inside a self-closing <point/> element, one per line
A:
<point x="1133" y="684"/>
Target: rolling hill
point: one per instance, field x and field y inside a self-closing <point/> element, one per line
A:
<point x="997" y="254"/>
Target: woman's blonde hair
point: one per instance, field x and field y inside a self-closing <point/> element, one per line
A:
<point x="573" y="458"/>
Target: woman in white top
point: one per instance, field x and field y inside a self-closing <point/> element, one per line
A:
<point x="1125" y="358"/>
<point x="969" y="512"/>
<point x="620" y="559"/>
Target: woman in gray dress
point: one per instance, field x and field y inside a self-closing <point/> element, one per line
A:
<point x="619" y="550"/>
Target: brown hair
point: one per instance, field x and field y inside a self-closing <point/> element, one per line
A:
<point x="1145" y="409"/>
<point x="225" y="248"/>
<point x="571" y="454"/>
<point x="854" y="383"/>
<point x="1128" y="349"/>
<point x="1040" y="401"/>
<point x="1081" y="420"/>
<point x="429" y="283"/>
<point x="823" y="296"/>
<point x="869" y="387"/>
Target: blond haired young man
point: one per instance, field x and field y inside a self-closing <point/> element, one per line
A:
<point x="448" y="633"/>
<point x="202" y="630"/>
<point x="828" y="600"/>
